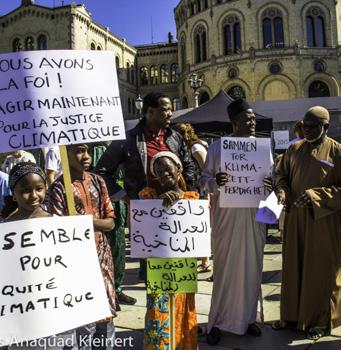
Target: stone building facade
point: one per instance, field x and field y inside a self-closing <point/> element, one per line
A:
<point x="260" y="49"/>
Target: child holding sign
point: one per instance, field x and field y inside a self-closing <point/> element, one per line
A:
<point x="91" y="197"/>
<point x="167" y="168"/>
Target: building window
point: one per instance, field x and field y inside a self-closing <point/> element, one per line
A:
<point x="200" y="44"/>
<point x="129" y="106"/>
<point x="319" y="66"/>
<point x="232" y="73"/>
<point x="154" y="75"/>
<point x="29" y="43"/>
<point x="144" y="75"/>
<point x="198" y="5"/>
<point x="184" y="102"/>
<point x="132" y="74"/>
<point x="174" y="73"/>
<point x="164" y="74"/>
<point x="273" y="33"/>
<point x="176" y="104"/>
<point x="205" y="4"/>
<point x="318" y="89"/>
<point x="316" y="31"/>
<point x="183" y="53"/>
<point x="42" y="42"/>
<point x="232" y="35"/>
<point x="191" y="9"/>
<point x="99" y="48"/>
<point x="128" y="72"/>
<point x="117" y="61"/>
<point x="204" y="97"/>
<point x="92" y="46"/>
<point x="236" y="92"/>
<point x="16" y="45"/>
<point x="275" y="68"/>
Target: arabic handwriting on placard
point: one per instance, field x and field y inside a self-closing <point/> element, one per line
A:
<point x="166" y="227"/>
<point x="140" y="239"/>
<point x="137" y="213"/>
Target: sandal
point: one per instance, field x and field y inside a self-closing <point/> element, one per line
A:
<point x="204" y="268"/>
<point x="316" y="333"/>
<point x="279" y="325"/>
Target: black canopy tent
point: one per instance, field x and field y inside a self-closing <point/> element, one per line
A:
<point x="211" y="118"/>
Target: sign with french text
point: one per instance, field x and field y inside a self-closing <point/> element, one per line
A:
<point x="50" y="279"/>
<point x="58" y="97"/>
<point x="246" y="161"/>
<point x="180" y="231"/>
<point x="172" y="275"/>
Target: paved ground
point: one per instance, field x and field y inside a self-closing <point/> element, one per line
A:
<point x="130" y="320"/>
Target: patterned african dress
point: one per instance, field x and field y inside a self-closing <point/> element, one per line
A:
<point x="91" y="197"/>
<point x="157" y="321"/>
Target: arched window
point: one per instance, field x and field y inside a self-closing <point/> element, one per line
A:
<point x="92" y="46"/>
<point x="29" y="43"/>
<point x="191" y="9"/>
<point x="236" y="92"/>
<point x="176" y="104"/>
<point x="144" y="75"/>
<point x="204" y="97"/>
<point x="198" y="5"/>
<point x="200" y="44"/>
<point x="318" y="89"/>
<point x="164" y="74"/>
<point x="132" y="74"/>
<point x="184" y="102"/>
<point x="273" y="33"/>
<point x="128" y="72"/>
<point x="42" y="42"/>
<point x="232" y="35"/>
<point x="16" y="45"/>
<point x="315" y="25"/>
<point x="154" y="75"/>
<point x="129" y="106"/>
<point x="174" y="73"/>
<point x="205" y="4"/>
<point x="183" y="53"/>
<point x="99" y="48"/>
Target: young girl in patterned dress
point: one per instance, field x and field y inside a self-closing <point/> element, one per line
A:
<point x="91" y="197"/>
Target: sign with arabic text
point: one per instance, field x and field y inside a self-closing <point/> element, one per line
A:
<point x="43" y="289"/>
<point x="172" y="275"/>
<point x="58" y="97"/>
<point x="246" y="161"/>
<point x="180" y="231"/>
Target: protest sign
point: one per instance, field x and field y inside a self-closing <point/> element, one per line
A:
<point x="50" y="279"/>
<point x="63" y="97"/>
<point x="281" y="139"/>
<point x="182" y="230"/>
<point x="246" y="161"/>
<point x="269" y="210"/>
<point x="172" y="275"/>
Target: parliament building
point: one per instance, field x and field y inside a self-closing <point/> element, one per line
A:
<point x="259" y="49"/>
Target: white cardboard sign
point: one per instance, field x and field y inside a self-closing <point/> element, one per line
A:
<point x="281" y="139"/>
<point x="181" y="231"/>
<point x="246" y="161"/>
<point x="50" y="278"/>
<point x="50" y="98"/>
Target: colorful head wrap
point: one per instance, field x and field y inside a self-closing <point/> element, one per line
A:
<point x="22" y="169"/>
<point x="166" y="154"/>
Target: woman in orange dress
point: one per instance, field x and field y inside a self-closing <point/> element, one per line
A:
<point x="167" y="168"/>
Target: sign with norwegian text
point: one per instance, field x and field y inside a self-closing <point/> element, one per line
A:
<point x="246" y="161"/>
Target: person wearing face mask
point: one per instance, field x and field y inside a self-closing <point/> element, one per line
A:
<point x="308" y="183"/>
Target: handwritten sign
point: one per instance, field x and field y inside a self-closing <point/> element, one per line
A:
<point x="269" y="210"/>
<point x="281" y="139"/>
<point x="63" y="97"/>
<point x="182" y="230"/>
<point x="50" y="279"/>
<point x="246" y="161"/>
<point x="172" y="275"/>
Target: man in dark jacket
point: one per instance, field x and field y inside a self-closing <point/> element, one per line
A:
<point x="150" y="136"/>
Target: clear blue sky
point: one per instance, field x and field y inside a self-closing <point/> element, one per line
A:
<point x="130" y="19"/>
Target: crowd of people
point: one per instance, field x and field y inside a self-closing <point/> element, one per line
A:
<point x="156" y="161"/>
